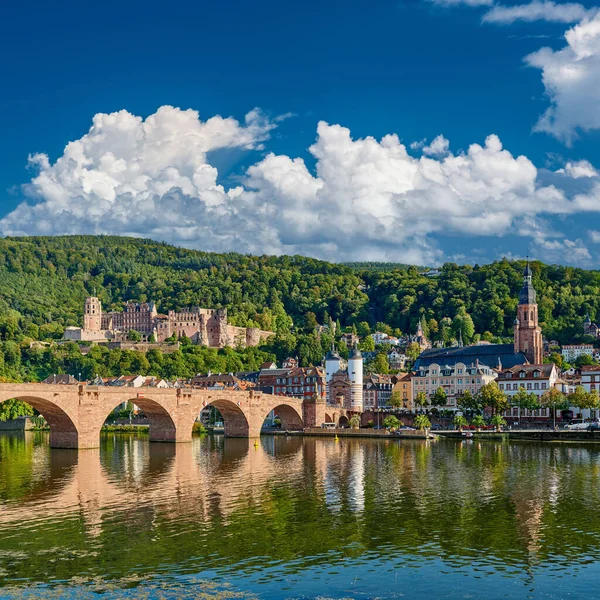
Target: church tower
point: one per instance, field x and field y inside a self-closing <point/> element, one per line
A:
<point x="528" y="335"/>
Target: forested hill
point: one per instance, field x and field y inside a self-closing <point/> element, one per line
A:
<point x="44" y="280"/>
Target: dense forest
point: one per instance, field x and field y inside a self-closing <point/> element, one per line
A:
<point x="44" y="280"/>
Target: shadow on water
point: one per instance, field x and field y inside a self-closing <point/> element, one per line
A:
<point x="29" y="468"/>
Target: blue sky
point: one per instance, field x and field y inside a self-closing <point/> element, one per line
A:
<point x="415" y="69"/>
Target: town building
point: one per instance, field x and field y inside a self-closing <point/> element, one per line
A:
<point x="590" y="328"/>
<point x="534" y="379"/>
<point x="203" y="326"/>
<point x="350" y="340"/>
<point x="380" y="338"/>
<point x="61" y="379"/>
<point x="454" y="379"/>
<point x="403" y="386"/>
<point x="222" y="381"/>
<point x="377" y="391"/>
<point x="396" y="359"/>
<point x="298" y="382"/>
<point x="571" y="352"/>
<point x="590" y="377"/>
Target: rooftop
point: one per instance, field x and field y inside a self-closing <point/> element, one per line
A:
<point x="490" y="355"/>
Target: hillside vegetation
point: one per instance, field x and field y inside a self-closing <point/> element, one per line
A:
<point x="44" y="280"/>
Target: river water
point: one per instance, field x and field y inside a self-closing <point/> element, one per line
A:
<point x="298" y="518"/>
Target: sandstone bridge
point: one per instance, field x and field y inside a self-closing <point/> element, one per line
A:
<point x="76" y="413"/>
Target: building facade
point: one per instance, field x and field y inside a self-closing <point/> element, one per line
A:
<point x="571" y="352"/>
<point x="377" y="391"/>
<point x="203" y="326"/>
<point x="454" y="379"/>
<point x="294" y="381"/>
<point x="534" y="379"/>
<point x="403" y="386"/>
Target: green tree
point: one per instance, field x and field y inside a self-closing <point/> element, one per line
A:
<point x="422" y="422"/>
<point x="368" y="344"/>
<point x="396" y="399"/>
<point x="498" y="421"/>
<point x="492" y="397"/>
<point x="460" y="422"/>
<point x="478" y="421"/>
<point x="581" y="399"/>
<point x="421" y="400"/>
<point x="12" y="409"/>
<point x="380" y="364"/>
<point x="469" y="403"/>
<point x="354" y="421"/>
<point x="412" y="351"/>
<point x="524" y="400"/>
<point x="462" y="325"/>
<point x="440" y="398"/>
<point x="134" y="336"/>
<point x="391" y="422"/>
<point x="554" y="400"/>
<point x="584" y="360"/>
<point x="557" y="359"/>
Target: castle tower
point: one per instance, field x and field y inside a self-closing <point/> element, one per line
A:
<point x="355" y="374"/>
<point x="92" y="314"/>
<point x="528" y="335"/>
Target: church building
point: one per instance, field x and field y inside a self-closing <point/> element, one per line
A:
<point x="527" y="347"/>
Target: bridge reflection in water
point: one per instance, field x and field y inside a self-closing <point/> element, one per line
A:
<point x="293" y="512"/>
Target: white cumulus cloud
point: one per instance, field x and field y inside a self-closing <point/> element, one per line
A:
<point x="571" y="77"/>
<point x="365" y="198"/>
<point x="438" y="147"/>
<point x="544" y="10"/>
<point x="473" y="3"/>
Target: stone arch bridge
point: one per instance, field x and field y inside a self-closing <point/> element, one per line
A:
<point x="76" y="413"/>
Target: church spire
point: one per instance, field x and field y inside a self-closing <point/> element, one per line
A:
<point x="528" y="335"/>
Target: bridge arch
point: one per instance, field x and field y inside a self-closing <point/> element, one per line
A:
<point x="291" y="418"/>
<point x="235" y="421"/>
<point x="162" y="427"/>
<point x="63" y="431"/>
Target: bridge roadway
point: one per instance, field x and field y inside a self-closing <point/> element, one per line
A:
<point x="76" y="413"/>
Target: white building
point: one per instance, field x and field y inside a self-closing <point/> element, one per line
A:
<point x="454" y="380"/>
<point x="396" y="359"/>
<point x="571" y="352"/>
<point x="534" y="379"/>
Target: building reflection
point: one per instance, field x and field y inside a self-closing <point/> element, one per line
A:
<point x="501" y="505"/>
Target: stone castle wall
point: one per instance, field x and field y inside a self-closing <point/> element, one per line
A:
<point x="203" y="326"/>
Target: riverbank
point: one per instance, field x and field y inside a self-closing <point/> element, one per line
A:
<point x="367" y="433"/>
<point x="533" y="435"/>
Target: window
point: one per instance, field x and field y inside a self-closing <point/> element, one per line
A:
<point x="536" y="386"/>
<point x="501" y="386"/>
<point x="543" y="385"/>
<point x="528" y="386"/>
<point x="536" y="373"/>
<point x="522" y="374"/>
